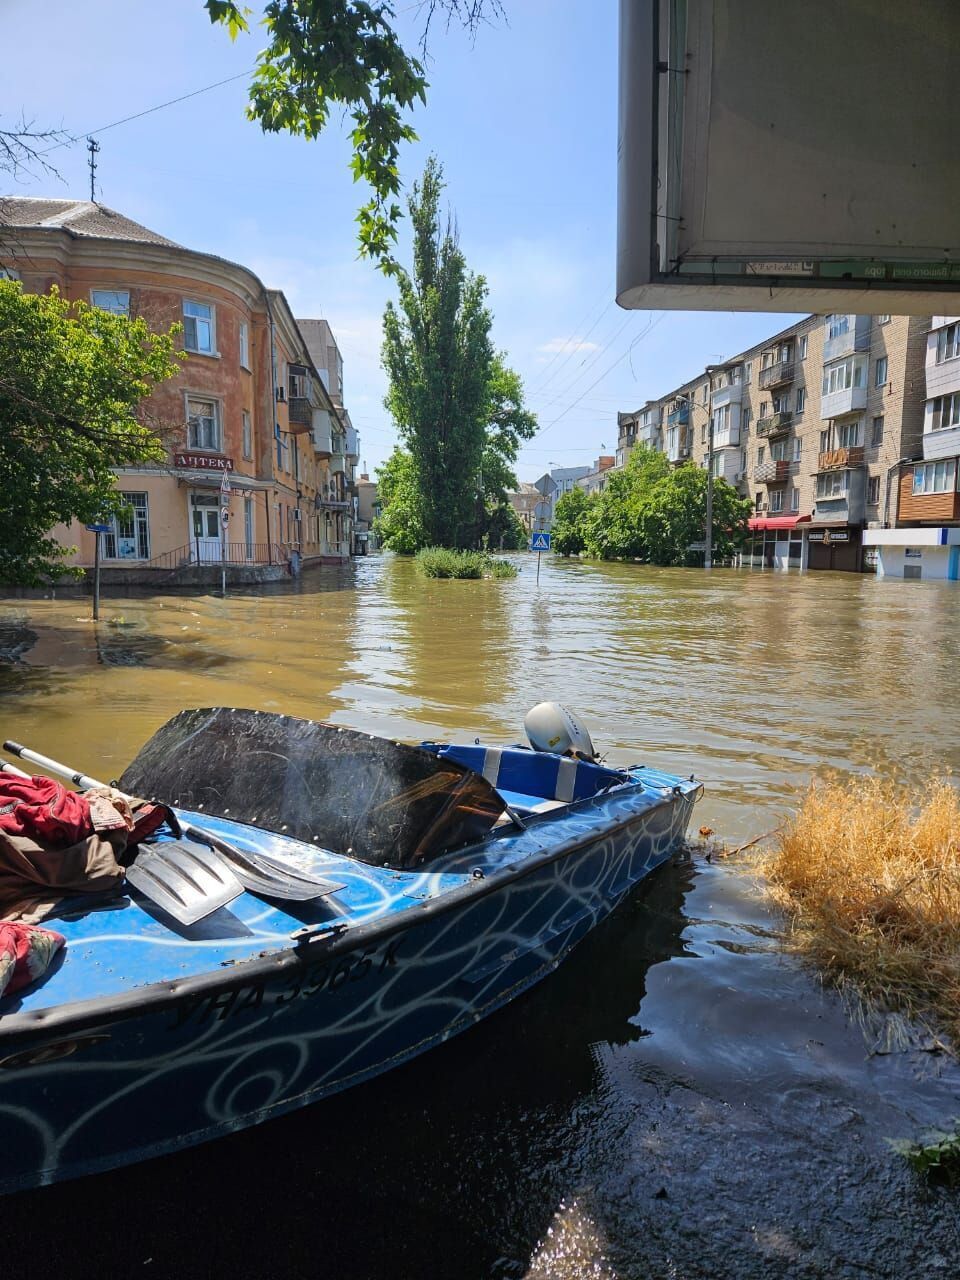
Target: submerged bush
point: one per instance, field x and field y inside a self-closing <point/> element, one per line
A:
<point x="442" y="562"/>
<point x="938" y="1158"/>
<point x="871" y="875"/>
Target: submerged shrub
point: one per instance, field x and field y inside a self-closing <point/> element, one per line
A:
<point x="871" y="875"/>
<point x="442" y="562"/>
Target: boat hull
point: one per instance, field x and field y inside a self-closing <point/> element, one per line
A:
<point x="197" y="1060"/>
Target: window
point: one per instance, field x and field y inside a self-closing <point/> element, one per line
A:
<point x="876" y="434"/>
<point x="794" y="500"/>
<point x="843" y="375"/>
<point x="935" y="477"/>
<point x="824" y="441"/>
<point x="883" y="319"/>
<point x="779" y="451"/>
<point x="802" y="347"/>
<point x="706" y="392"/>
<point x="781" y="404"/>
<point x="203" y="424"/>
<point x="247" y="436"/>
<point x="873" y="490"/>
<point x="703" y="432"/>
<point x="198" y="326"/>
<point x="776" y="499"/>
<point x="848" y="434"/>
<point x="129" y="539"/>
<point x="743" y="460"/>
<point x="797" y="448"/>
<point x="116" y="301"/>
<point x="880" y="377"/>
<point x="748" y="371"/>
<point x="298" y="382"/>
<point x="761" y="454"/>
<point x="837" y="326"/>
<point x="945" y="412"/>
<point x="801" y="400"/>
<point x="244" y="344"/>
<point x="833" y="484"/>
<point x="948" y="343"/>
<point x="764" y="408"/>
<point x="758" y="502"/>
<point x="745" y="417"/>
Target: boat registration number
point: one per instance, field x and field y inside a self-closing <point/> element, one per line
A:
<point x="328" y="976"/>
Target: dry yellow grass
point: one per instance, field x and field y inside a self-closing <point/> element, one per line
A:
<point x="870" y="874"/>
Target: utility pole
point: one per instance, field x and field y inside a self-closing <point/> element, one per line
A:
<point x="93" y="147"/>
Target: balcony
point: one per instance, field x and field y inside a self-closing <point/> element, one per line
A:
<point x="839" y="459"/>
<point x="837" y="403"/>
<point x="776" y="424"/>
<point x="856" y="338"/>
<point x="726" y="437"/>
<point x="338" y="462"/>
<point x="944" y="443"/>
<point x="299" y="415"/>
<point x="776" y="471"/>
<point x="678" y="453"/>
<point x="730" y="394"/>
<point x="323" y="502"/>
<point x="777" y="374"/>
<point x="322" y="433"/>
<point x="844" y="509"/>
<point x="353" y="445"/>
<point x="678" y="416"/>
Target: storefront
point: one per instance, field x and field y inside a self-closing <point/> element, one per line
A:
<point x="931" y="553"/>
<point x="835" y="547"/>
<point x="775" y="542"/>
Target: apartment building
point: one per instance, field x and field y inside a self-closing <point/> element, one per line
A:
<point x="924" y="540"/>
<point x="811" y="424"/>
<point x="249" y="402"/>
<point x="595" y="481"/>
<point x="524" y="502"/>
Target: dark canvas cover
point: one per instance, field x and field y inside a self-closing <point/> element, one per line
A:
<point x="383" y="802"/>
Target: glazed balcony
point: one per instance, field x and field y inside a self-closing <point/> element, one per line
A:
<point x="855" y="338"/>
<point x="678" y="416"/>
<point x="840" y="459"/>
<point x="776" y="471"/>
<point x="777" y="374"/>
<point x="732" y="393"/>
<point x="775" y="424"/>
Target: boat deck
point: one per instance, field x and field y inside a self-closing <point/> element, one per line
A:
<point x="124" y="943"/>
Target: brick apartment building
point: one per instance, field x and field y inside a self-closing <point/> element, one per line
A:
<point x="259" y="398"/>
<point x="816" y="425"/>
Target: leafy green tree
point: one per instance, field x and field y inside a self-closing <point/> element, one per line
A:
<point x="612" y="529"/>
<point x="505" y="529"/>
<point x="345" y="54"/>
<point x="673" y="515"/>
<point x="71" y="380"/>
<point x="439" y="362"/>
<point x="400" y="525"/>
<point x="569" y="527"/>
<point x="509" y="423"/>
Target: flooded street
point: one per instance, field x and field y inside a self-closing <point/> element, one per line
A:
<point x="680" y="1099"/>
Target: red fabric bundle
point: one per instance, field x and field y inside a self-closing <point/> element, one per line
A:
<point x="25" y="954"/>
<point x="42" y="809"/>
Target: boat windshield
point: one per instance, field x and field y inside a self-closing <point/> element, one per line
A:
<point x="383" y="802"/>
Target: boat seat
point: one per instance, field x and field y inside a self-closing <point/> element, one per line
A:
<point x="536" y="775"/>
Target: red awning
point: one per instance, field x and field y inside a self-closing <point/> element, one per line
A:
<point x="775" y="522"/>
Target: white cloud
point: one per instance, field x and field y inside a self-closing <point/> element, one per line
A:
<point x="568" y="345"/>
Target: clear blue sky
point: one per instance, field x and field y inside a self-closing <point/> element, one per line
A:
<point x="524" y="122"/>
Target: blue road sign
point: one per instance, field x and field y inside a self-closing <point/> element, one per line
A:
<point x="99" y="528"/>
<point x="540" y="542"/>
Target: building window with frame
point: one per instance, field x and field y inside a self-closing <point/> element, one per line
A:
<point x="843" y="375"/>
<point x="797" y="448"/>
<point x="758" y="504"/>
<point x="244" y="345"/>
<point x="794" y="501"/>
<point x="883" y="319"/>
<point x="116" y="301"/>
<point x="247" y="435"/>
<point x="129" y="538"/>
<point x="848" y="435"/>
<point x="948" y="343"/>
<point x="880" y="378"/>
<point x="876" y="434"/>
<point x="801" y="400"/>
<point x="761" y="453"/>
<point x="873" y="491"/>
<point x="203" y="424"/>
<point x="825" y="440"/>
<point x="837" y="326"/>
<point x="776" y="499"/>
<point x="199" y="328"/>
<point x="802" y="346"/>
<point x="945" y="412"/>
<point x="748" y="371"/>
<point x="745" y="416"/>
<point x="935" y="477"/>
<point x="833" y="484"/>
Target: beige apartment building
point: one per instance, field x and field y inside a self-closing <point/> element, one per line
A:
<point x="259" y="472"/>
<point x="813" y="425"/>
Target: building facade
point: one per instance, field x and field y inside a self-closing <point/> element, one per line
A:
<point x="595" y="481"/>
<point x="249" y="421"/>
<point x="811" y="425"/>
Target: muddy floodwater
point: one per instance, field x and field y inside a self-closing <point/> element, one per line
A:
<point x="680" y="1099"/>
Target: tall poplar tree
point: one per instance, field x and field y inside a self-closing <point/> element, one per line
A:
<point x="439" y="361"/>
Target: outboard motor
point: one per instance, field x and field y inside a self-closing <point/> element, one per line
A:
<point x="549" y="726"/>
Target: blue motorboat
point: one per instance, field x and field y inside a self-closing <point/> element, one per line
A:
<point x="453" y="878"/>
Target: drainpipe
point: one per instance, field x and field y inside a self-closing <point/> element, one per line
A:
<point x="273" y="406"/>
<point x="886" y="492"/>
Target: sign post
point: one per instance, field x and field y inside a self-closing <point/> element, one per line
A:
<point x="96" y="530"/>
<point x="224" y="521"/>
<point x="539" y="543"/>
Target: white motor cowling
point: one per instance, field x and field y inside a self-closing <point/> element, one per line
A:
<point x="549" y="726"/>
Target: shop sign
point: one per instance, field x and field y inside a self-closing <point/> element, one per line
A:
<point x="827" y="536"/>
<point x="203" y="461"/>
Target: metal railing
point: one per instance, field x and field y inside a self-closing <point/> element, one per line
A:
<point x="775" y="423"/>
<point x="205" y="551"/>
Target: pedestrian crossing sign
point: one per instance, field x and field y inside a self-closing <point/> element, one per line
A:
<point x="540" y="542"/>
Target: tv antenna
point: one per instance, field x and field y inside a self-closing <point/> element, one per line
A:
<point x="93" y="147"/>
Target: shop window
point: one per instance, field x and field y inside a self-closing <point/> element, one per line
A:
<point x="129" y="536"/>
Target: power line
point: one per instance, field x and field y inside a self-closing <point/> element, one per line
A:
<point x="574" y="337"/>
